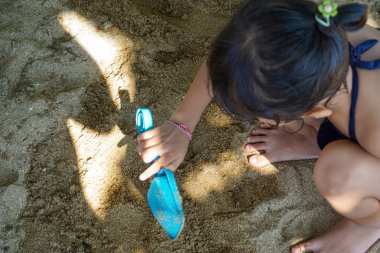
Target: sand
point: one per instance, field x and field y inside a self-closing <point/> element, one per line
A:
<point x="72" y="73"/>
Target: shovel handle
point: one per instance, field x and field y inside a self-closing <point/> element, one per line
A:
<point x="145" y="122"/>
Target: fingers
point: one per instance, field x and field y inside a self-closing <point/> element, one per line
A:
<point x="154" y="168"/>
<point x="170" y="145"/>
<point x="147" y="135"/>
<point x="150" y="153"/>
<point x="148" y="143"/>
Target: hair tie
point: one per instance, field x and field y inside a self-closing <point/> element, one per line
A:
<point x="328" y="10"/>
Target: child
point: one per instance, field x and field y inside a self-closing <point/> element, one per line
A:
<point x="304" y="68"/>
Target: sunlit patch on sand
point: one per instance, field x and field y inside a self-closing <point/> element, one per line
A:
<point x="111" y="51"/>
<point x="209" y="178"/>
<point x="198" y="185"/>
<point x="98" y="160"/>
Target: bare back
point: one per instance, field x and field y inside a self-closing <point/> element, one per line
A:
<point x="367" y="116"/>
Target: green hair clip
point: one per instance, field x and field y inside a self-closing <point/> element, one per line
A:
<point x="328" y="10"/>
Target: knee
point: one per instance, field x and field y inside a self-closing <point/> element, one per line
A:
<point x="335" y="173"/>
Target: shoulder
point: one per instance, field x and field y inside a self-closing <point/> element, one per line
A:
<point x="365" y="33"/>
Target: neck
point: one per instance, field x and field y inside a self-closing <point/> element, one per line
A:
<point x="341" y="102"/>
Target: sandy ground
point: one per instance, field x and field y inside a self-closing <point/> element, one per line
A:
<point x="72" y="73"/>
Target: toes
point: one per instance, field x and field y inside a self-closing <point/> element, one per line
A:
<point x="256" y="138"/>
<point x="297" y="249"/>
<point x="261" y="130"/>
<point x="255" y="147"/>
<point x="302" y="248"/>
<point x="258" y="160"/>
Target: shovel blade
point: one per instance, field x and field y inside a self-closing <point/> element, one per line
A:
<point x="164" y="201"/>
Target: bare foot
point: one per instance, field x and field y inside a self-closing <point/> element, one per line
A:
<point x="279" y="145"/>
<point x="346" y="236"/>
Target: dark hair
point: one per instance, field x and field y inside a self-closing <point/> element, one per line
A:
<point x="273" y="60"/>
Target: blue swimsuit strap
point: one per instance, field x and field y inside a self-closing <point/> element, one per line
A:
<point x="354" y="99"/>
<point x="356" y="62"/>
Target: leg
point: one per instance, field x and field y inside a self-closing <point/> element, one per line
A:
<point x="280" y="145"/>
<point x="347" y="177"/>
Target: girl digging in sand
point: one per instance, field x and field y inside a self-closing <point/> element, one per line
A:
<point x="285" y="62"/>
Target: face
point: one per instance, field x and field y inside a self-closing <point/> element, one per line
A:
<point x="320" y="110"/>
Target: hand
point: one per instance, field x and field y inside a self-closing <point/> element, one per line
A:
<point x="166" y="141"/>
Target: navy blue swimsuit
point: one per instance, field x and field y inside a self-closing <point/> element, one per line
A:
<point x="328" y="132"/>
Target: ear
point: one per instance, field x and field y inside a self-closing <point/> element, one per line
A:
<point x="319" y="112"/>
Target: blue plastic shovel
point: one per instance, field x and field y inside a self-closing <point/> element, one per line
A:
<point x="163" y="196"/>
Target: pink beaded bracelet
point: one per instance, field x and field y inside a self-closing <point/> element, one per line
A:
<point x="181" y="127"/>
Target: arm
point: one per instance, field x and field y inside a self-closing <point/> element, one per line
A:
<point x="195" y="101"/>
<point x="169" y="142"/>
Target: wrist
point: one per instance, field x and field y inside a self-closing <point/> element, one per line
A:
<point x="184" y="119"/>
<point x="182" y="127"/>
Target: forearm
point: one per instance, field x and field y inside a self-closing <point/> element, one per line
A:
<point x="195" y="101"/>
